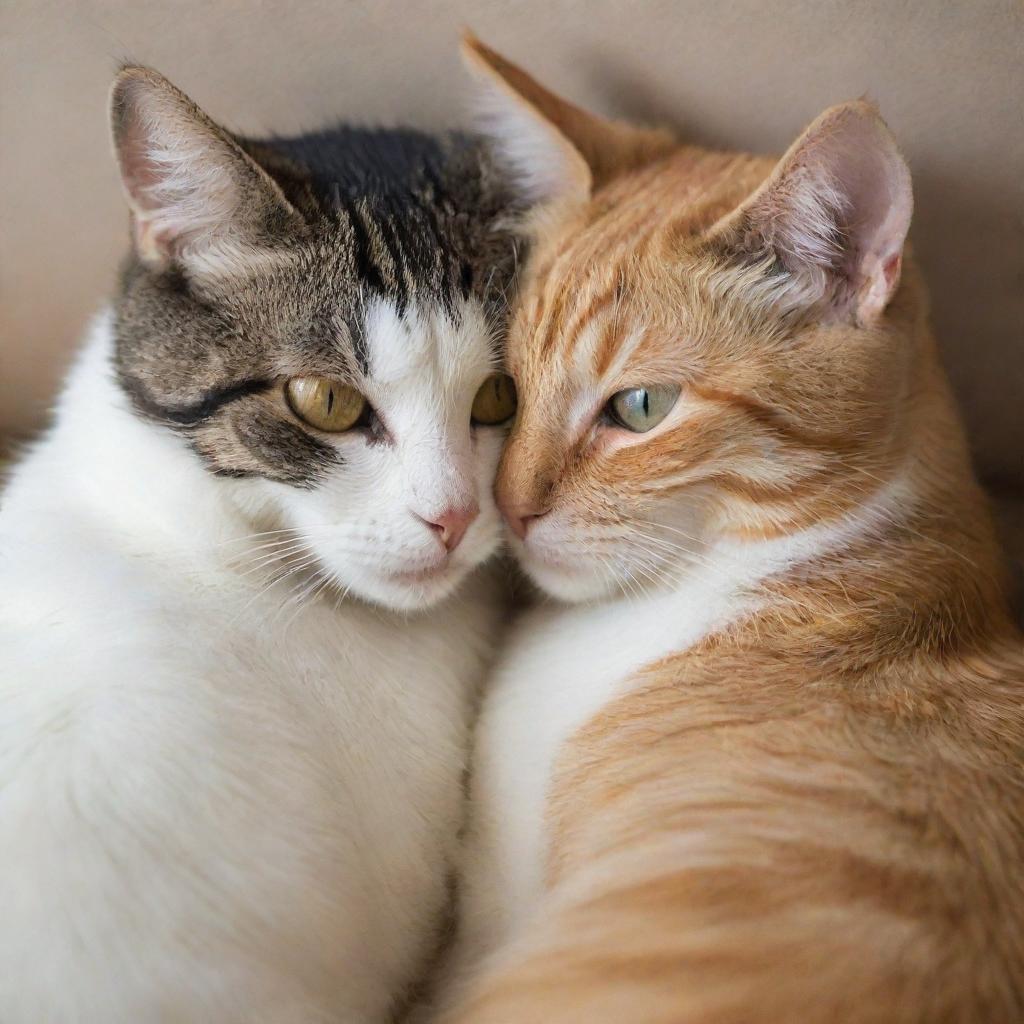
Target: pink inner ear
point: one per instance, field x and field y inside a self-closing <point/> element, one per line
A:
<point x="180" y="175"/>
<point x="137" y="142"/>
<point x="138" y="170"/>
<point x="870" y="177"/>
<point x="153" y="239"/>
<point x="839" y="204"/>
<point x="892" y="269"/>
<point x="141" y="175"/>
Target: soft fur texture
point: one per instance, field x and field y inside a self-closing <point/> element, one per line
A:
<point x="768" y="763"/>
<point x="237" y="661"/>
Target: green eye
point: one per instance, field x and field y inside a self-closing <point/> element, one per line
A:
<point x="642" y="409"/>
<point x="325" y="404"/>
<point x="495" y="402"/>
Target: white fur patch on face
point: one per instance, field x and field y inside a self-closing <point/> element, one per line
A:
<point x="370" y="525"/>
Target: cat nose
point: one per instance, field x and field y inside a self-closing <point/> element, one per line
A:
<point x="520" y="517"/>
<point x="525" y="488"/>
<point x="452" y="524"/>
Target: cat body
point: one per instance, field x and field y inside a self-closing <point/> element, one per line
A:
<point x="245" y="802"/>
<point x="598" y="654"/>
<point x="765" y="761"/>
<point x="241" y="630"/>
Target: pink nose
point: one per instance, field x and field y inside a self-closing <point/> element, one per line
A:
<point x="452" y="524"/>
<point x="519" y="518"/>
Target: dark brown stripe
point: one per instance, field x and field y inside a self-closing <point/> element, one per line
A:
<point x="197" y="412"/>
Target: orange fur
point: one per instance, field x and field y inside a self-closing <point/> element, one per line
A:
<point x="818" y="815"/>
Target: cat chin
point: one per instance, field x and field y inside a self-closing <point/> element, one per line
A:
<point x="574" y="584"/>
<point x="409" y="592"/>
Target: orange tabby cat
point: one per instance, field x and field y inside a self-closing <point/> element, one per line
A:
<point x="765" y="764"/>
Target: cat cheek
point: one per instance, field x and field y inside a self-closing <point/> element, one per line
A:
<point x="610" y="438"/>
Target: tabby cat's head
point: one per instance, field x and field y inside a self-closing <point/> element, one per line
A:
<point x="320" y="319"/>
<point x="705" y="345"/>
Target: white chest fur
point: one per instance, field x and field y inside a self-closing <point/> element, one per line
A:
<point x="559" y="668"/>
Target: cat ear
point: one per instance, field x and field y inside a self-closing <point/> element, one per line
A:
<point x="191" y="188"/>
<point x="833" y="215"/>
<point x="555" y="149"/>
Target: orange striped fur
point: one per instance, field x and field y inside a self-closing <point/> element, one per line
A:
<point x="817" y="814"/>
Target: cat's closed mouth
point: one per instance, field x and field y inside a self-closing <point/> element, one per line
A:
<point x="427" y="574"/>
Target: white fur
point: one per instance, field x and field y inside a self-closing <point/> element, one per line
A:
<point x="560" y="667"/>
<point x="220" y="802"/>
<point x="545" y="164"/>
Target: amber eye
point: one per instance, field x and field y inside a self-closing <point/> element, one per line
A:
<point x="325" y="404"/>
<point x="642" y="409"/>
<point x="495" y="402"/>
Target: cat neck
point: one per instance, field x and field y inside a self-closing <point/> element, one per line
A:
<point x="916" y="569"/>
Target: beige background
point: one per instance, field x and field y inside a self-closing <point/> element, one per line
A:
<point x="948" y="75"/>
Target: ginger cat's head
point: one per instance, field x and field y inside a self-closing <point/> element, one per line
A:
<point x="709" y="347"/>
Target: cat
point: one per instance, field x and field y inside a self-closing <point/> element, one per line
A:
<point x="762" y="759"/>
<point x="242" y="623"/>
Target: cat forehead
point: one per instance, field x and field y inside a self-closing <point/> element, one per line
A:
<point x="360" y="250"/>
<point x="624" y="279"/>
<point x="329" y="298"/>
<point x="420" y="346"/>
<point x="593" y="328"/>
<point x="676" y="197"/>
<point x="634" y="235"/>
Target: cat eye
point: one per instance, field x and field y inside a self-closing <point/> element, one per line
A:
<point x="325" y="404"/>
<point x="496" y="401"/>
<point x="642" y="409"/>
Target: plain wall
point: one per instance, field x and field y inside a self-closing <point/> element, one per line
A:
<point x="949" y="78"/>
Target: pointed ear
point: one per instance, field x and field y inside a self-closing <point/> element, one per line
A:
<point x="555" y="149"/>
<point x="833" y="215"/>
<point x="191" y="187"/>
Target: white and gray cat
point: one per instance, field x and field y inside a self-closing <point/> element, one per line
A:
<point x="240" y="627"/>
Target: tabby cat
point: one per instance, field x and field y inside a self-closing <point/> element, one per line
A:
<point x="240" y="626"/>
<point x="764" y="760"/>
